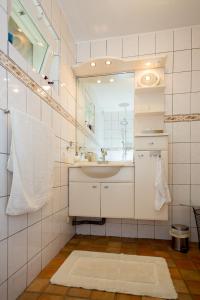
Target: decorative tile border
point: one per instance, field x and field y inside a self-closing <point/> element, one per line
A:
<point x="15" y="70"/>
<point x="181" y="118"/>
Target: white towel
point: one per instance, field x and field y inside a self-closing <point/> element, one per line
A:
<point x="31" y="161"/>
<point x="162" y="194"/>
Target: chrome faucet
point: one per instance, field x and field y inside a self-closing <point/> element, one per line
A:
<point x="103" y="153"/>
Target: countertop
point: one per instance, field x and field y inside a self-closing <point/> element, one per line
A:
<point x="96" y="164"/>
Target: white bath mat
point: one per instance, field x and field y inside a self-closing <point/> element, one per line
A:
<point x="129" y="274"/>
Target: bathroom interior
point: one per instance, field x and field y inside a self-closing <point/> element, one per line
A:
<point x="99" y="149"/>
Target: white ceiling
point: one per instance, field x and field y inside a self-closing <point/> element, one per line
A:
<point x="93" y="19"/>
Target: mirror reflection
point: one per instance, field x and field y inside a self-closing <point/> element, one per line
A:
<point x="105" y="106"/>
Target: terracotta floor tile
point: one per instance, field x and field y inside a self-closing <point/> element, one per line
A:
<point x="185" y="264"/>
<point x="78" y="292"/>
<point x="38" y="285"/>
<point x="29" y="296"/>
<point x="184" y="297"/>
<point x="194" y="287"/>
<point x="180" y="286"/>
<point x="175" y="273"/>
<point x="127" y="297"/>
<point x="50" y="297"/>
<point x="98" y="295"/>
<point x="150" y="298"/>
<point x="190" y="275"/>
<point x="56" y="289"/>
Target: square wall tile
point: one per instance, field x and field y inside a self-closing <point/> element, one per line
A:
<point x="195" y="81"/>
<point x="181" y="194"/>
<point x="162" y="232"/>
<point x="46" y="113"/>
<point x="3" y="30"/>
<point x="3" y="175"/>
<point x="129" y="230"/>
<point x="3" y="132"/>
<point x="169" y="63"/>
<point x="195" y="103"/>
<point x="147" y="43"/>
<point x="164" y="41"/>
<point x="130" y="45"/>
<point x="16" y="94"/>
<point x="83" y="51"/>
<point x="34" y="239"/>
<point x="181" y="215"/>
<point x="181" y="82"/>
<point x="181" y="132"/>
<point x="195" y="192"/>
<point x="181" y="153"/>
<point x="168" y="84"/>
<point x="195" y="153"/>
<point x="182" y="38"/>
<point x="146" y="231"/>
<point x="3" y="218"/>
<point x="33" y="105"/>
<point x="182" y="61"/>
<point x="114" y="47"/>
<point x="47" y="231"/>
<point x="195" y="173"/>
<point x="3" y="91"/>
<point x="181" y="173"/>
<point x="196" y="59"/>
<point x="3" y="291"/>
<point x="3" y="261"/>
<point x="17" y="251"/>
<point x="168" y="104"/>
<point x="17" y="283"/>
<point x="181" y="103"/>
<point x="98" y="48"/>
<point x="195" y="130"/>
<point x="113" y="229"/>
<point x="34" y="268"/>
<point x="34" y="217"/>
<point x="98" y="230"/>
<point x="84" y="229"/>
<point x="16" y="223"/>
<point x="196" y="36"/>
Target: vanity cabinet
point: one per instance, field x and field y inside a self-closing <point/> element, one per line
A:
<point x="84" y="199"/>
<point x="111" y="197"/>
<point x="117" y="200"/>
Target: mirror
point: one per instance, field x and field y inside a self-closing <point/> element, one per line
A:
<point x="105" y="107"/>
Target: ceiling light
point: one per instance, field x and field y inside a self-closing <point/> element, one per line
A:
<point x="16" y="90"/>
<point x="147" y="77"/>
<point x="19" y="29"/>
<point x="112" y="80"/>
<point x="46" y="87"/>
<point x="98" y="81"/>
<point x="148" y="64"/>
<point x="93" y="64"/>
<point x="108" y="62"/>
<point x="40" y="44"/>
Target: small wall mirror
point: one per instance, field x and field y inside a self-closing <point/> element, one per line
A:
<point x="105" y="107"/>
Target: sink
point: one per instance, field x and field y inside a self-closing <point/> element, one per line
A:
<point x="100" y="171"/>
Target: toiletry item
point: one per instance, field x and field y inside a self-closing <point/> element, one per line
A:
<point x="76" y="157"/>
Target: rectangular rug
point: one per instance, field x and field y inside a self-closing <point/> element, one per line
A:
<point x="118" y="273"/>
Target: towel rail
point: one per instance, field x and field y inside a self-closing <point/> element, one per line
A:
<point x="5" y="110"/>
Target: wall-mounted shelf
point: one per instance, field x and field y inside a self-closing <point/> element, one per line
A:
<point x="154" y="89"/>
<point x="149" y="113"/>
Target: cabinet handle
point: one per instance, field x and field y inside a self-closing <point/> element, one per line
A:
<point x="94" y="186"/>
<point x="106" y="187"/>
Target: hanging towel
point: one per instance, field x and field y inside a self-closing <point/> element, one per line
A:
<point x="162" y="194"/>
<point x="31" y="161"/>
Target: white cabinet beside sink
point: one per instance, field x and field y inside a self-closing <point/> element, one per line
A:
<point x="109" y="197"/>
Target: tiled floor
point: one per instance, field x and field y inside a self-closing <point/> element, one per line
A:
<point x="184" y="268"/>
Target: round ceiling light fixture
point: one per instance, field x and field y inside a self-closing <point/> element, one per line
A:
<point x="98" y="81"/>
<point x="93" y="64"/>
<point x="149" y="79"/>
<point x="108" y="62"/>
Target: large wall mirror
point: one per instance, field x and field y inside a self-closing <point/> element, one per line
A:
<point x="105" y="106"/>
<point x="34" y="37"/>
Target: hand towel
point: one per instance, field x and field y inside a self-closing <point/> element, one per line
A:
<point x="162" y="194"/>
<point x="31" y="161"/>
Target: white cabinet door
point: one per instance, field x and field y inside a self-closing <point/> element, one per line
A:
<point x="145" y="167"/>
<point x="84" y="199"/>
<point x="117" y="200"/>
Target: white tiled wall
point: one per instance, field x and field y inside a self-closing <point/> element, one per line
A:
<point x="29" y="242"/>
<point x="182" y="92"/>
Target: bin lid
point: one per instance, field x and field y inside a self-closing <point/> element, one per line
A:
<point x="180" y="227"/>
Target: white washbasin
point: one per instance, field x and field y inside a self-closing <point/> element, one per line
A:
<point x="100" y="171"/>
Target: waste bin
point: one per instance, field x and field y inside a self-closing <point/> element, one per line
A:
<point x="180" y="237"/>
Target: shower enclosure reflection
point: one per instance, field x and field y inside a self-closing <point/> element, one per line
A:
<point x="105" y="107"/>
